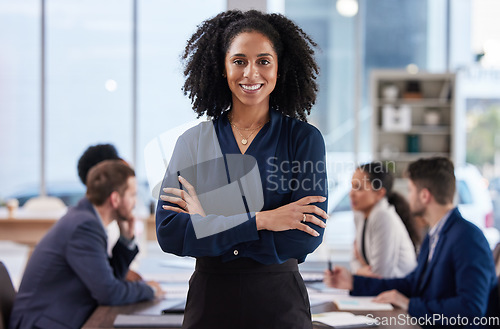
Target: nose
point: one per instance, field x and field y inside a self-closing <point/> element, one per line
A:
<point x="251" y="70"/>
<point x="351" y="194"/>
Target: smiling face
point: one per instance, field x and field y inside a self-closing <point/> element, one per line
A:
<point x="251" y="67"/>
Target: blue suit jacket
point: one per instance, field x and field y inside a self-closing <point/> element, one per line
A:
<point x="69" y="274"/>
<point x="459" y="280"/>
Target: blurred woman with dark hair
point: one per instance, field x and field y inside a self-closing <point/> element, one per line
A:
<point x="386" y="238"/>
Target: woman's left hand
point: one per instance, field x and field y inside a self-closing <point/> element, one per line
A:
<point x="187" y="202"/>
<point x="293" y="216"/>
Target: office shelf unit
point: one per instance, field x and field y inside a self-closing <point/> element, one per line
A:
<point x="413" y="116"/>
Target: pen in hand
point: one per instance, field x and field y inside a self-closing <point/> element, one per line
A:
<point x="180" y="184"/>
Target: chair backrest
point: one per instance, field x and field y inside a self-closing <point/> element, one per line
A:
<point x="44" y="203"/>
<point x="7" y="294"/>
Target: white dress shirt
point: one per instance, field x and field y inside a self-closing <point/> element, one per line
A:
<point x="388" y="246"/>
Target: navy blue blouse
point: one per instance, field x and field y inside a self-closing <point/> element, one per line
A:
<point x="290" y="155"/>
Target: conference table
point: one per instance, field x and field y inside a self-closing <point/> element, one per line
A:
<point x="27" y="227"/>
<point x="104" y="316"/>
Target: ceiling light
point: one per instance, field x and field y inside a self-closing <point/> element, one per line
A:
<point x="347" y="8"/>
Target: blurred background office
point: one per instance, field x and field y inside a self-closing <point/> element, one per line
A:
<point x="77" y="73"/>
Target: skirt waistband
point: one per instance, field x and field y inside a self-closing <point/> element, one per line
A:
<point x="242" y="265"/>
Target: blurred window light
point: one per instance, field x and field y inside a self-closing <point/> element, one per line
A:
<point x="491" y="58"/>
<point x="347" y="8"/>
<point x="412" y="68"/>
<point x="111" y="85"/>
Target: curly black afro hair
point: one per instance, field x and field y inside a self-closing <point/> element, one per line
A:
<point x="204" y="55"/>
<point x="93" y="155"/>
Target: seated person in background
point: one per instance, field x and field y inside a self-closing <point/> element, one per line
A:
<point x="455" y="275"/>
<point x="93" y="155"/>
<point x="383" y="246"/>
<point x="69" y="273"/>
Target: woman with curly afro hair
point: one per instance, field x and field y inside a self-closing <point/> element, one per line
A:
<point x="245" y="193"/>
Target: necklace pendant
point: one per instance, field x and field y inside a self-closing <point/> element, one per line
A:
<point x="244" y="141"/>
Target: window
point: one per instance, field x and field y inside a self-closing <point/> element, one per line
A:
<point x="164" y="30"/>
<point x="19" y="96"/>
<point x="89" y="82"/>
<point x="344" y="204"/>
<point x="89" y="78"/>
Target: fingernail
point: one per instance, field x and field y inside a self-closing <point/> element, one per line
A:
<point x="316" y="234"/>
<point x="164" y="207"/>
<point x="164" y="189"/>
<point x="180" y="177"/>
<point x="323" y="198"/>
<point x="323" y="225"/>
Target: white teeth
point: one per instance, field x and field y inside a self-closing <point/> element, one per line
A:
<point x="251" y="87"/>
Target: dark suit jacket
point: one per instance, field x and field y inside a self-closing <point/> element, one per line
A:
<point x="460" y="279"/>
<point x="69" y="274"/>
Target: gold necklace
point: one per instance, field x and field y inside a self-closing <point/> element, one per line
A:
<point x="244" y="140"/>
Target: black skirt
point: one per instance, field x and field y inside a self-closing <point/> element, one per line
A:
<point x="246" y="294"/>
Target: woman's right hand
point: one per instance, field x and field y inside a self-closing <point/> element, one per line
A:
<point x="187" y="201"/>
<point x="293" y="216"/>
<point x="339" y="278"/>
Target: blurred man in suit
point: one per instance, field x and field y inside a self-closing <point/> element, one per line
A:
<point x="93" y="155"/>
<point x="69" y="273"/>
<point x="455" y="276"/>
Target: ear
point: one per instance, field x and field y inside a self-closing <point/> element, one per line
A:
<point x="381" y="193"/>
<point x="425" y="196"/>
<point x="114" y="199"/>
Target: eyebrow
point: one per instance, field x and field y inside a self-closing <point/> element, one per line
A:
<point x="259" y="55"/>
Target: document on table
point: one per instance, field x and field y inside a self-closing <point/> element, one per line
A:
<point x="148" y="321"/>
<point x="352" y="303"/>
<point x="321" y="296"/>
<point x="343" y="320"/>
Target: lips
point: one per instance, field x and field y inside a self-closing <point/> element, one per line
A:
<point x="252" y="87"/>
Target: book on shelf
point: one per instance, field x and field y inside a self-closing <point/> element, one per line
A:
<point x="445" y="93"/>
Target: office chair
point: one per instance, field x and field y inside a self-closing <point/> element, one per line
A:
<point x="7" y="294"/>
<point x="44" y="203"/>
